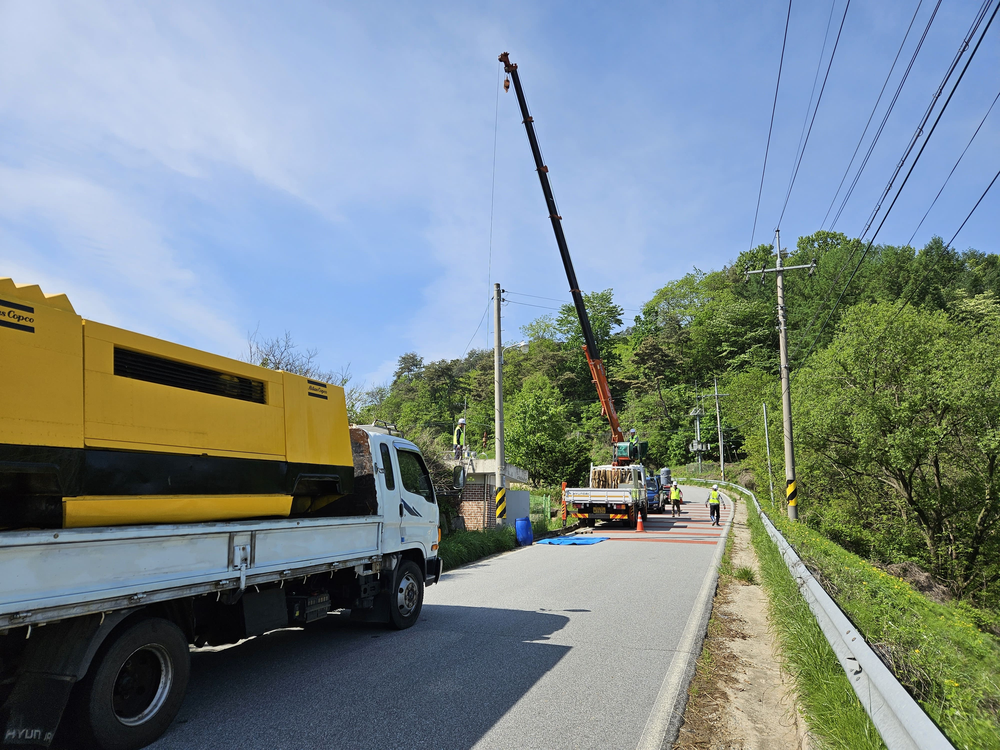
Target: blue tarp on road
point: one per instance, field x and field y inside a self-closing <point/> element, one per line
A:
<point x="573" y="540"/>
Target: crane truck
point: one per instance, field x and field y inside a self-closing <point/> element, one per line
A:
<point x="155" y="497"/>
<point x="592" y="503"/>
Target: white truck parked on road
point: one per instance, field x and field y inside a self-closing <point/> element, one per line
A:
<point x="154" y="496"/>
<point x="120" y="605"/>
<point x="616" y="493"/>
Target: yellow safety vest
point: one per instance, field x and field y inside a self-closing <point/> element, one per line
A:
<point x="714" y="497"/>
<point x="675" y="493"/>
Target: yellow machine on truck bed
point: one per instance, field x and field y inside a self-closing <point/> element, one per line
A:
<point x="100" y="426"/>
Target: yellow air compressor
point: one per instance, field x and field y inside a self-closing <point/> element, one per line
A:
<point x="104" y="427"/>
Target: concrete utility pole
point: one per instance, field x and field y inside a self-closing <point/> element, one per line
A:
<point x="498" y="384"/>
<point x="791" y="493"/>
<point x="718" y="427"/>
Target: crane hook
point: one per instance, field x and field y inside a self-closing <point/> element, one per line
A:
<point x="506" y="84"/>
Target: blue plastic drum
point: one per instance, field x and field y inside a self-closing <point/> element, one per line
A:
<point x="522" y="529"/>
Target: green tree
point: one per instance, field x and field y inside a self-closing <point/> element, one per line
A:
<point x="536" y="434"/>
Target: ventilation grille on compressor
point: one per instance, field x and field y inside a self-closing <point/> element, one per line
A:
<point x="139" y="366"/>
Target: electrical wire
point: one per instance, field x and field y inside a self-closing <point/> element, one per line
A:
<point x="885" y="117"/>
<point x="493" y="187"/>
<point x="923" y="121"/>
<point x="819" y="99"/>
<point x="861" y="168"/>
<point x="770" y="128"/>
<point x="909" y="296"/>
<point x="466" y="351"/>
<point x="961" y="156"/>
<point x="874" y="110"/>
<point x="562" y="301"/>
<point x="944" y="107"/>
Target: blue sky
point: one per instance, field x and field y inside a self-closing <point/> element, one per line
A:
<point x="199" y="170"/>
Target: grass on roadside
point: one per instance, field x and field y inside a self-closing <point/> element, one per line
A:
<point x="462" y="547"/>
<point x="937" y="651"/>
<point x="833" y="712"/>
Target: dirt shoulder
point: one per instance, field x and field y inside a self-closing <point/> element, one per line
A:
<point x="740" y="699"/>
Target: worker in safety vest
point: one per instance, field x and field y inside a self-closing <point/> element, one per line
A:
<point x="633" y="445"/>
<point x="714" y="498"/>
<point x="458" y="441"/>
<point x="675" y="499"/>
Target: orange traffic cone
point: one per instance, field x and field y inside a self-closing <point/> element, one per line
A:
<point x="638" y="519"/>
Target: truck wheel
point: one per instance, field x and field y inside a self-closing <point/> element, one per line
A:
<point x="407" y="595"/>
<point x="134" y="686"/>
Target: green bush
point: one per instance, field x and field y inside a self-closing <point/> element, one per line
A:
<point x="463" y="547"/>
<point x="939" y="652"/>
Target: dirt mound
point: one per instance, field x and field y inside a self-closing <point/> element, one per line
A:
<point x="920" y="580"/>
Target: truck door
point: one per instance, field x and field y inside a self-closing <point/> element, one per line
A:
<point x="419" y="508"/>
<point x="390" y="492"/>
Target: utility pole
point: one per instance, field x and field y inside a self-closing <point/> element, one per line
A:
<point x="767" y="445"/>
<point x="498" y="385"/>
<point x="718" y="427"/>
<point x="791" y="493"/>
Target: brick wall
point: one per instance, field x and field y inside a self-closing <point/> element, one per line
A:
<point x="470" y="506"/>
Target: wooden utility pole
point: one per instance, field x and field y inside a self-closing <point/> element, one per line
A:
<point x="791" y="492"/>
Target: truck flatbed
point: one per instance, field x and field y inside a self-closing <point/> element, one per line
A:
<point x="53" y="574"/>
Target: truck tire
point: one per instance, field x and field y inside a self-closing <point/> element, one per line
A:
<point x="134" y="687"/>
<point x="407" y="595"/>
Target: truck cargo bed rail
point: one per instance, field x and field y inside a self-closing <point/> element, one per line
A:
<point x="48" y="575"/>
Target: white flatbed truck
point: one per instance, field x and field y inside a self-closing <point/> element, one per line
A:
<point x="616" y="493"/>
<point x="96" y="623"/>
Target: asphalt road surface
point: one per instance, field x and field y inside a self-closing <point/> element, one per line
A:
<point x="544" y="647"/>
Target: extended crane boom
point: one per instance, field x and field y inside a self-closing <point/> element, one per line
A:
<point x="597" y="372"/>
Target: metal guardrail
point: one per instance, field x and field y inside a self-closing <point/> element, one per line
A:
<point x="899" y="719"/>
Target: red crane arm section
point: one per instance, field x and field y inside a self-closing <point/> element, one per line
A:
<point x="600" y="379"/>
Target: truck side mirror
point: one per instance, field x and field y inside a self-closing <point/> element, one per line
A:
<point x="458" y="477"/>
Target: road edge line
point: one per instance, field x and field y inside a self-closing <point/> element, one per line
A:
<point x="664" y="722"/>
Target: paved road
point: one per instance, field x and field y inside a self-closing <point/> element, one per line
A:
<point x="544" y="647"/>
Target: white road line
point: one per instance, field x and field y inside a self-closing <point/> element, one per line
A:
<point x="664" y="717"/>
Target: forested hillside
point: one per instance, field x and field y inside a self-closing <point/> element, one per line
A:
<point x="896" y="394"/>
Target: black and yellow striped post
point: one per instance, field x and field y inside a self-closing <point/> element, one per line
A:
<point x="791" y="495"/>
<point x="501" y="503"/>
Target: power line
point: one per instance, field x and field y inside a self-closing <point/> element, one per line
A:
<point x="885" y="118"/>
<point x="819" y="99"/>
<point x="909" y="296"/>
<point x="774" y="105"/>
<point x="493" y="187"/>
<point x="944" y="107"/>
<point x="477" y="327"/>
<point x="555" y="299"/>
<point x="923" y="121"/>
<point x="861" y="168"/>
<point x="875" y="109"/>
<point x="528" y="304"/>
<point x="961" y="156"/>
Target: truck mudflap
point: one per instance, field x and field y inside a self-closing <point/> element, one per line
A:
<point x="432" y="570"/>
